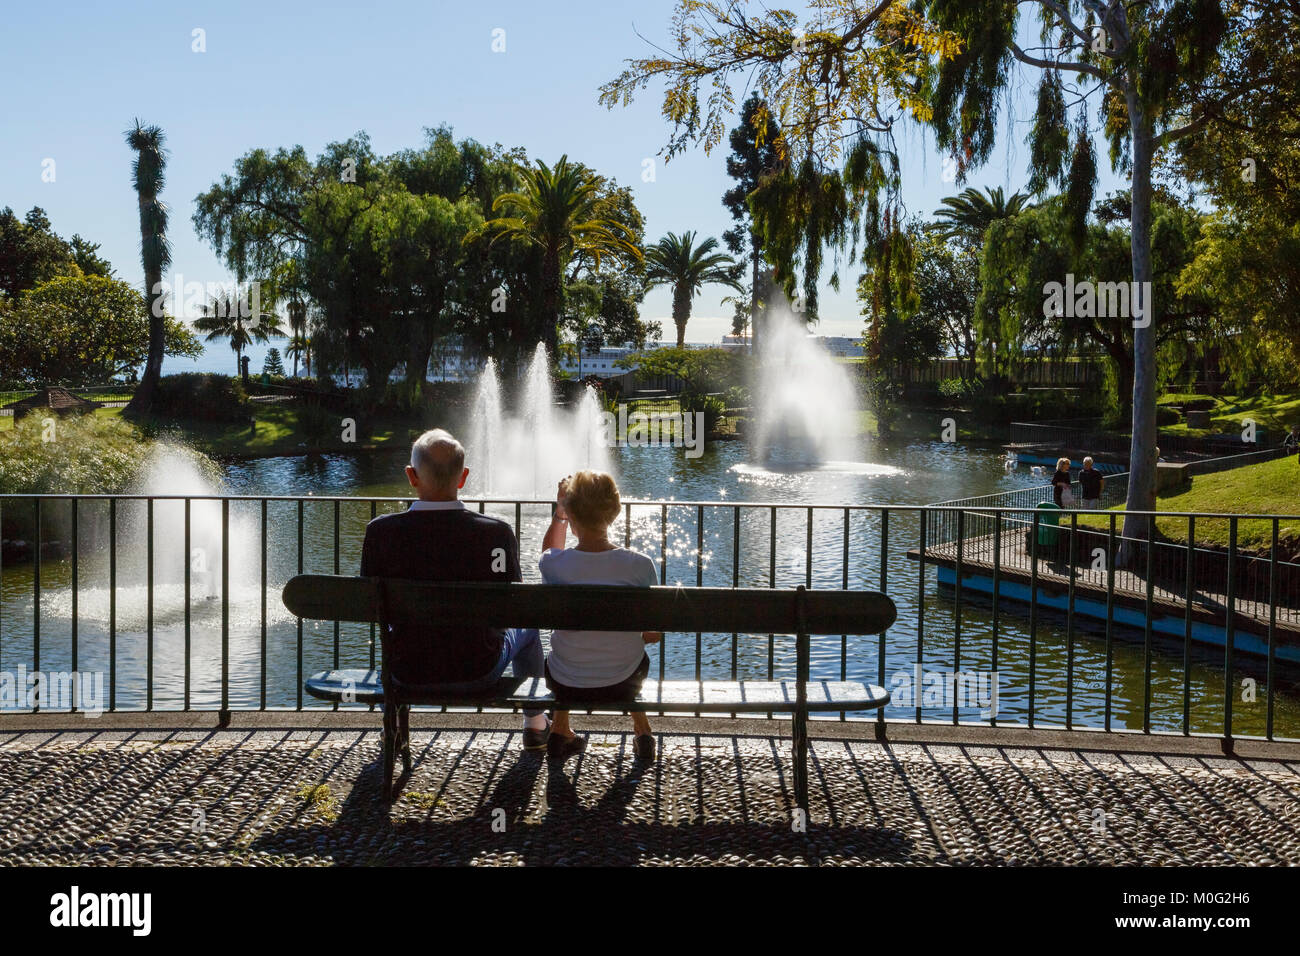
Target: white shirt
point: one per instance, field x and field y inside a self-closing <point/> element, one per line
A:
<point x="455" y="504"/>
<point x="596" y="658"/>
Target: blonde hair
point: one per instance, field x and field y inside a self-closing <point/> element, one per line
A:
<point x="1062" y="464"/>
<point x="1087" y="462"/>
<point x="592" y="499"/>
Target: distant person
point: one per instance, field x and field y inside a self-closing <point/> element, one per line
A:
<point x="1091" y="482"/>
<point x="1292" y="441"/>
<point x="1061" y="483"/>
<point x="594" y="665"/>
<point x="438" y="539"/>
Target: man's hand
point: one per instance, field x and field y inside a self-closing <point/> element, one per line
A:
<point x="652" y="637"/>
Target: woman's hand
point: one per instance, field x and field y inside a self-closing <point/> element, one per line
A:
<point x="561" y="492"/>
<point x="652" y="637"/>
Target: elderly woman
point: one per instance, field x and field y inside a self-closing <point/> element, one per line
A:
<point x="594" y="665"/>
<point x="1061" y="484"/>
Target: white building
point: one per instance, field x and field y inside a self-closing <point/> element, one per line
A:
<point x="602" y="364"/>
<point x="841" y="346"/>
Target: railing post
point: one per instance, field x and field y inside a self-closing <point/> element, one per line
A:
<point x="1230" y="633"/>
<point x="800" y="722"/>
<point x="223" y="716"/>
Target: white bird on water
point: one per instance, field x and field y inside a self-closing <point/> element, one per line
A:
<point x="1037" y="471"/>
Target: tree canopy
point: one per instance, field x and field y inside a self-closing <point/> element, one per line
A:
<point x="81" y="330"/>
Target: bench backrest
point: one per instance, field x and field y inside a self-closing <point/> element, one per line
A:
<point x="590" y="607"/>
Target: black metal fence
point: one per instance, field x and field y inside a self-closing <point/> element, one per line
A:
<point x="177" y="562"/>
<point x="1028" y="372"/>
<point x="111" y="394"/>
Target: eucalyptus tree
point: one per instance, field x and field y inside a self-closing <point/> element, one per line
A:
<point x="148" y="176"/>
<point x="1156" y="72"/>
<point x="679" y="262"/>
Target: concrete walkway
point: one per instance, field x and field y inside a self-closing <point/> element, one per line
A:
<point x="83" y="794"/>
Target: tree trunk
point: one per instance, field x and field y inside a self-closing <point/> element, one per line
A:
<point x="143" y="399"/>
<point x="551" y="302"/>
<point x="420" y="347"/>
<point x="755" y="320"/>
<point x="681" y="312"/>
<point x="1142" y="451"/>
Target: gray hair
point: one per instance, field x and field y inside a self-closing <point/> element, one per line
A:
<point x="438" y="457"/>
<point x="1087" y="462"/>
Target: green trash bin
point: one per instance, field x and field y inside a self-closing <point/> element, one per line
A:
<point x="1048" y="532"/>
<point x="266" y="379"/>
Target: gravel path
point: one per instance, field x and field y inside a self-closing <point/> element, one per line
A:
<point x="286" y="798"/>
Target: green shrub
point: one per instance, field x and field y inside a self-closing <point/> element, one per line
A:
<point x="1166" y="416"/>
<point x="712" y="406"/>
<point x="201" y="396"/>
<point x="84" y="454"/>
<point x="317" y="422"/>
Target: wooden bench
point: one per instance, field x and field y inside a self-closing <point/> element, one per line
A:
<point x="584" y="607"/>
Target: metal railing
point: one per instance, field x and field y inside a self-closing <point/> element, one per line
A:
<point x="97" y="393"/>
<point x="177" y="600"/>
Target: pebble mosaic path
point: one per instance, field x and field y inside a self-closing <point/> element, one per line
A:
<point x="311" y="797"/>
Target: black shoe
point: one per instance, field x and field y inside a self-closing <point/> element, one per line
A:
<point x="537" y="739"/>
<point x="562" y="748"/>
<point x="644" y="747"/>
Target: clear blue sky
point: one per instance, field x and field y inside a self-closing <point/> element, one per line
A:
<point x="283" y="73"/>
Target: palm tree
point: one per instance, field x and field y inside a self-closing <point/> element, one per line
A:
<point x="223" y="319"/>
<point x="969" y="215"/>
<point x="297" y="332"/>
<point x="299" y="347"/>
<point x="155" y="251"/>
<point x="678" y="262"/>
<point x="561" y="212"/>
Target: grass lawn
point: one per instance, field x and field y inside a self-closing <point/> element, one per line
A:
<point x="277" y="431"/>
<point x="1269" y="487"/>
<point x="1274" y="412"/>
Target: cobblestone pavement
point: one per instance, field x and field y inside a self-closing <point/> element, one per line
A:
<point x="312" y="797"/>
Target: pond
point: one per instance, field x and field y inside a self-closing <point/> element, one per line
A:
<point x="893" y="474"/>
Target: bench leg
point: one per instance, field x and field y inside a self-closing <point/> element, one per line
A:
<point x="390" y="748"/>
<point x="800" y="724"/>
<point x="404" y="736"/>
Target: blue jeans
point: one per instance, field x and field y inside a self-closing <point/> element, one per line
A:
<point x="520" y="647"/>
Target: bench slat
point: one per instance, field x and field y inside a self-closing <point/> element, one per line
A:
<point x="363" y="687"/>
<point x="329" y="597"/>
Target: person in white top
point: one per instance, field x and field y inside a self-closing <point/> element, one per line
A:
<point x="594" y="665"/>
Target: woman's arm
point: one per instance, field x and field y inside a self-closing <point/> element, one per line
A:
<point x="557" y="533"/>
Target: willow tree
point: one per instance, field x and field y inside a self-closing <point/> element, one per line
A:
<point x="148" y="176"/>
<point x="1155" y="72"/>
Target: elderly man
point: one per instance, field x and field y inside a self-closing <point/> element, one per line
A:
<point x="439" y="539"/>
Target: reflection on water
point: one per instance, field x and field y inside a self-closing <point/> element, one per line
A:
<point x="692" y="543"/>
